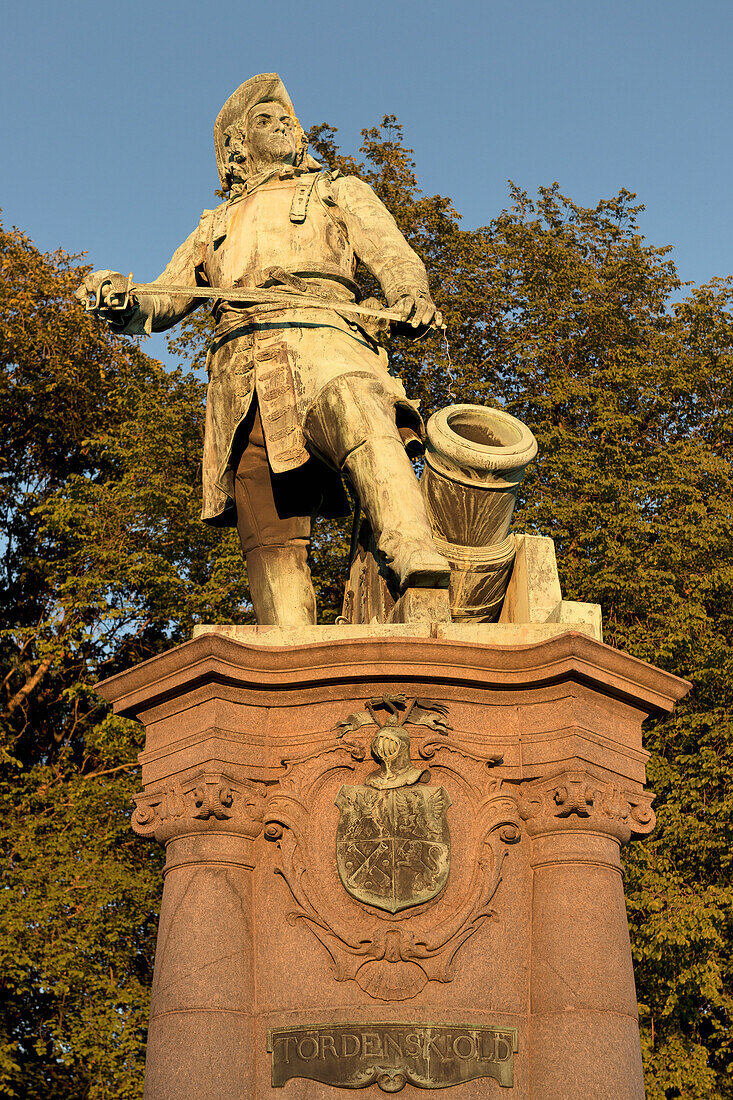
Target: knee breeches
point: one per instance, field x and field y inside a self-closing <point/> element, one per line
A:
<point x="276" y="509"/>
<point x="272" y="509"/>
<point x="347" y="412"/>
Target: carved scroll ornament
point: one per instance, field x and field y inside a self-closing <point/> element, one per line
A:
<point x="576" y="800"/>
<point x="389" y="959"/>
<point x="192" y="805"/>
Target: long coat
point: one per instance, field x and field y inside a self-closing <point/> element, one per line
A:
<point x="313" y="226"/>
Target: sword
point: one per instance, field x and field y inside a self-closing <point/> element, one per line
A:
<point x="120" y="300"/>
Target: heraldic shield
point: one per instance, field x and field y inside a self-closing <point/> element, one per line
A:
<point x="393" y="846"/>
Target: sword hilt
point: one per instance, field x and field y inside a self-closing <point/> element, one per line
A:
<point x="115" y="300"/>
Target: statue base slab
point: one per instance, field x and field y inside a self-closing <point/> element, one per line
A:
<point x="393" y="860"/>
<point x="422" y="605"/>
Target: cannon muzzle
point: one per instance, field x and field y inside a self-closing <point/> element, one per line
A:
<point x="474" y="464"/>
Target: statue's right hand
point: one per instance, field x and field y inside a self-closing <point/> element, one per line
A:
<point x="104" y="292"/>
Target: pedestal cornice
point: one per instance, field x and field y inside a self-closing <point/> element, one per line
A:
<point x="216" y="659"/>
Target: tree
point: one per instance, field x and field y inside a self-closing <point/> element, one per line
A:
<point x="567" y="318"/>
<point x="105" y="563"/>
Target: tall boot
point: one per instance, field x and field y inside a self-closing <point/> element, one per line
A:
<point x="389" y="493"/>
<point x="280" y="585"/>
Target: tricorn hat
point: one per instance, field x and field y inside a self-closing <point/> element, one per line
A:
<point x="265" y="88"/>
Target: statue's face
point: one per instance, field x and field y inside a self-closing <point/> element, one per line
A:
<point x="270" y="135"/>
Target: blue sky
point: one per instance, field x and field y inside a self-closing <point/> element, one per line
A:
<point x="108" y="109"/>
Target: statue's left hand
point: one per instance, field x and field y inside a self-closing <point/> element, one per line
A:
<point x="419" y="311"/>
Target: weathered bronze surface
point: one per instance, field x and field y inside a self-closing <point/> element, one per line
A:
<point x="352" y="1056"/>
<point x="475" y="461"/>
<point x="393" y="846"/>
<point x="392" y="842"/>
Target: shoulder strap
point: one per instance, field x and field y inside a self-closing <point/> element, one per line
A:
<point x="301" y="198"/>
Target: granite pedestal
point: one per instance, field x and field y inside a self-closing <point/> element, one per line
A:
<point x="511" y="977"/>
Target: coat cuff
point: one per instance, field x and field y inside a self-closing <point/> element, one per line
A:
<point x="138" y="323"/>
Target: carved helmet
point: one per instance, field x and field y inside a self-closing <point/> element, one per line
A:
<point x="265" y="88"/>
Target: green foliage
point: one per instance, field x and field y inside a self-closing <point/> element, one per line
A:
<point x="104" y="563"/>
<point x="563" y="315"/>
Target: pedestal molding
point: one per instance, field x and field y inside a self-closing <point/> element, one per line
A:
<point x="215" y="658"/>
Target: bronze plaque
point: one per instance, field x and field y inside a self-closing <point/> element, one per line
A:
<point x="393" y="846"/>
<point x="427" y="1056"/>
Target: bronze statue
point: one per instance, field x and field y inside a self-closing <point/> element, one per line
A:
<point x="299" y="391"/>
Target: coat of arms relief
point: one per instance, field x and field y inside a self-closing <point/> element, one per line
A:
<point x="388" y="893"/>
<point x="392" y="842"/>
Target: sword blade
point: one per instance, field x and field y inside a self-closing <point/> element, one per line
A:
<point x="258" y="296"/>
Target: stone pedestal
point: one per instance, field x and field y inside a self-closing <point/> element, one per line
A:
<point x="495" y="961"/>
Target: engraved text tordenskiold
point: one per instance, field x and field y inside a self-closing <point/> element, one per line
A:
<point x="392" y="1055"/>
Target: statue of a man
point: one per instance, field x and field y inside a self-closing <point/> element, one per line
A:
<point x="298" y="397"/>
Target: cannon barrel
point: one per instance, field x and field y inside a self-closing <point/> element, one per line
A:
<point x="475" y="460"/>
